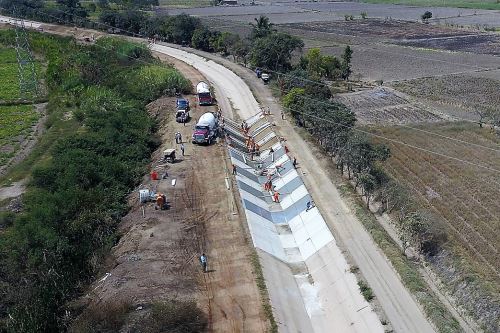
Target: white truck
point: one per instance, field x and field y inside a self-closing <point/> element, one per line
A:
<point x="206" y="130"/>
<point x="204" y="94"/>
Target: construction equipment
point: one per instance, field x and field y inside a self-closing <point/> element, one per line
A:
<point x="169" y="155"/>
<point x="204" y="94"/>
<point x="207" y="129"/>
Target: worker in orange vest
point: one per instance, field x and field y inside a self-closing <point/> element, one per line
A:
<point x="276" y="197"/>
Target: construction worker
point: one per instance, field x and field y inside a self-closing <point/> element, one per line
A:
<point x="204" y="262"/>
<point x="294" y="163"/>
<point x="182" y="149"/>
<point x="234" y="169"/>
<point x="276" y="197"/>
<point x="282" y="115"/>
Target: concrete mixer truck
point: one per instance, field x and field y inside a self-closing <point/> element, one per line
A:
<point x="206" y="129"/>
<point x="204" y="94"/>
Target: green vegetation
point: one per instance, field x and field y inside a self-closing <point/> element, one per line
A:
<point x="474" y="4"/>
<point x="15" y="124"/>
<point x="365" y="290"/>
<point x="185" y="3"/>
<point x="98" y="142"/>
<point x="9" y="84"/>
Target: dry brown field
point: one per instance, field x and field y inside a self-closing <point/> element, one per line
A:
<point x="461" y="192"/>
<point x="383" y="105"/>
<point x="465" y="91"/>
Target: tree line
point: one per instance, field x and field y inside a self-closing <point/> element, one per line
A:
<point x="77" y="194"/>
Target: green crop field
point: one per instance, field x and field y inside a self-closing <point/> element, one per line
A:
<point x="9" y="84"/>
<point x="16" y="123"/>
<point x="185" y="3"/>
<point x="475" y="4"/>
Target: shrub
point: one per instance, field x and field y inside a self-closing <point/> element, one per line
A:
<point x="108" y="316"/>
<point x="176" y="317"/>
<point x="365" y="290"/>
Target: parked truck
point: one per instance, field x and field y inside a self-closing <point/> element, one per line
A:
<point x="204" y="94"/>
<point x="182" y="113"/>
<point x="206" y="130"/>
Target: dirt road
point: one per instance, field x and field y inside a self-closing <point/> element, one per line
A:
<point x="232" y="298"/>
<point x="398" y="304"/>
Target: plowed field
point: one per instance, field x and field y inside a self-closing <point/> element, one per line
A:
<point x="461" y="192"/>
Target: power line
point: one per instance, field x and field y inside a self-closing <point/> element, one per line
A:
<point x="357" y="129"/>
<point x="398" y="142"/>
<point x="241" y="23"/>
<point x="410" y="127"/>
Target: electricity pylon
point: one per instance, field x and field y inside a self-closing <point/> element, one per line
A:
<point x="28" y="82"/>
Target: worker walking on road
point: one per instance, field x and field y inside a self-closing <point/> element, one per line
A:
<point x="294" y="163"/>
<point x="204" y="262"/>
<point x="234" y="169"/>
<point x="182" y="149"/>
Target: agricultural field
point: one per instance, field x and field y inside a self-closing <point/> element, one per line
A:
<point x="472" y="93"/>
<point x="385" y="106"/>
<point x="463" y="195"/>
<point x="16" y="124"/>
<point x="460" y="195"/>
<point x="9" y="83"/>
<point x="184" y="3"/>
<point x="405" y="33"/>
<point x="476" y="4"/>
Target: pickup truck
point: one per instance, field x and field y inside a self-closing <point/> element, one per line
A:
<point x="265" y="77"/>
<point x="182" y="104"/>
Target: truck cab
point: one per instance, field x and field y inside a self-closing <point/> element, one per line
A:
<point x="206" y="130"/>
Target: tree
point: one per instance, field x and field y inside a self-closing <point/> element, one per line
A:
<point x="368" y="185"/>
<point x="426" y="16"/>
<point x="346" y="63"/>
<point x="179" y="29"/>
<point x="221" y="42"/>
<point x="319" y="66"/>
<point x="103" y="4"/>
<point x="314" y="61"/>
<point x="261" y="28"/>
<point x="240" y="50"/>
<point x="201" y="39"/>
<point x="274" y="52"/>
<point x="331" y="67"/>
<point x="294" y="101"/>
<point x="71" y="10"/>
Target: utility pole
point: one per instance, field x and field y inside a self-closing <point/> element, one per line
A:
<point x="28" y="82"/>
